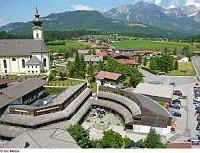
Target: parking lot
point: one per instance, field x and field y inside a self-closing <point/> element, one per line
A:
<point x="186" y="124"/>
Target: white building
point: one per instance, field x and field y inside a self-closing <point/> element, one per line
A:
<point x="25" y="56"/>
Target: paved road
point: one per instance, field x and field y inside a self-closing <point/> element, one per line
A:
<point x="196" y="62"/>
<point x="186" y="125"/>
<point x="166" y="80"/>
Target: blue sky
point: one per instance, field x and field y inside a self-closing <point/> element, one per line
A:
<point x="23" y="10"/>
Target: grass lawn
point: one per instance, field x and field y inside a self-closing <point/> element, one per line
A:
<point x="184" y="69"/>
<point x="69" y="44"/>
<point x="146" y="44"/>
<point x="54" y="91"/>
<point x="64" y="83"/>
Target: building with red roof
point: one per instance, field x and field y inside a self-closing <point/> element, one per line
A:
<point x="109" y="79"/>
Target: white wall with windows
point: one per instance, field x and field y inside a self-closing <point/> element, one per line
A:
<point x="33" y="69"/>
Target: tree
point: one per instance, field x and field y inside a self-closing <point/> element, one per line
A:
<point x="80" y="135"/>
<point x="128" y="143"/>
<point x="135" y="79"/>
<point x="140" y="60"/>
<point x="112" y="139"/>
<point x="176" y="65"/>
<point x="153" y="140"/>
<point x="140" y="144"/>
<point x="145" y="61"/>
<point x="175" y="51"/>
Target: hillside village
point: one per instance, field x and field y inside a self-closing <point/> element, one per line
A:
<point x="94" y="87"/>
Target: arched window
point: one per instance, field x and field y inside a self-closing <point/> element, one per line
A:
<point x="45" y="62"/>
<point x="4" y="63"/>
<point x="23" y="63"/>
<point x="37" y="35"/>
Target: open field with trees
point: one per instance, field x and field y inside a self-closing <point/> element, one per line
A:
<point x="65" y="46"/>
<point x="147" y="44"/>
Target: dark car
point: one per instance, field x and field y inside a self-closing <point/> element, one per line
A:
<point x="177" y="114"/>
<point x="176" y="106"/>
<point x="177" y="93"/>
<point x="198" y="128"/>
<point x="176" y="101"/>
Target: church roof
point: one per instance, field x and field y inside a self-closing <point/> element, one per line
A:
<point x="21" y="47"/>
<point x="34" y="61"/>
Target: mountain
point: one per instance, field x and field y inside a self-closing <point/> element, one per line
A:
<point x="84" y="20"/>
<point x="172" y="19"/>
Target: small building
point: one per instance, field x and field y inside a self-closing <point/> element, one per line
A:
<point x="132" y="63"/>
<point x="102" y="53"/>
<point x="182" y="59"/>
<point x="94" y="59"/>
<point x="109" y="79"/>
<point x="156" y="92"/>
<point x="83" y="51"/>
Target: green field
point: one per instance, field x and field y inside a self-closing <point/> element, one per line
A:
<point x="151" y="45"/>
<point x="69" y="44"/>
<point x="184" y="69"/>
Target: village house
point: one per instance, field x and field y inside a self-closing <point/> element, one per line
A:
<point x="109" y="79"/>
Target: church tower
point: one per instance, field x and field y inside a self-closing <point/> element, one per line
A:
<point x="37" y="29"/>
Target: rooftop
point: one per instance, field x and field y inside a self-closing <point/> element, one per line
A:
<point x="165" y="91"/>
<point x="34" y="61"/>
<point x="21" y="47"/>
<point x="93" y="58"/>
<point x="108" y="75"/>
<point x="128" y="62"/>
<point x="18" y="90"/>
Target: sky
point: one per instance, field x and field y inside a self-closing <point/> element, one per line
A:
<point x="23" y="10"/>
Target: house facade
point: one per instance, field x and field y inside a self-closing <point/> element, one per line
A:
<point x="25" y="56"/>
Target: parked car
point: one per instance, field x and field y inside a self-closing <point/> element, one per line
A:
<point x="192" y="139"/>
<point x="176" y="101"/>
<point x="195" y="142"/>
<point x="198" y="117"/>
<point x="177" y="93"/>
<point x="176" y="106"/>
<point x="196" y="99"/>
<point x="198" y="128"/>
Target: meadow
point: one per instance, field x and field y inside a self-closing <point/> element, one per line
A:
<point x="69" y="45"/>
<point x="147" y="44"/>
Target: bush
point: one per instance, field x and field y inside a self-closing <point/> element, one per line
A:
<point x="80" y="135"/>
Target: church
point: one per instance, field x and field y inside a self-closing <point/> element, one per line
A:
<point x="25" y="56"/>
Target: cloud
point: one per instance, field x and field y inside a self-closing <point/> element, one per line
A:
<point x="2" y="22"/>
<point x="82" y="7"/>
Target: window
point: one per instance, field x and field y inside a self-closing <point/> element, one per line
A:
<point x="35" y="66"/>
<point x="32" y="66"/>
<point x="28" y="71"/>
<point x="28" y="66"/>
<point x="36" y="71"/>
<point x="23" y="63"/>
<point x="33" y="72"/>
<point x="13" y="59"/>
<point x="45" y="62"/>
<point x="5" y="71"/>
<point x="37" y="35"/>
<point x="5" y="64"/>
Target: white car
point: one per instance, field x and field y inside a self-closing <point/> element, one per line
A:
<point x="196" y="99"/>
